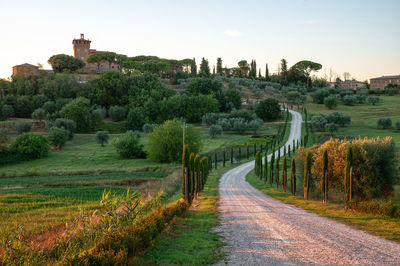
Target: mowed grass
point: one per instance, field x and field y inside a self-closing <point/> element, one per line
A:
<point x="388" y="228"/>
<point x="364" y="118"/>
<point x="192" y="241"/>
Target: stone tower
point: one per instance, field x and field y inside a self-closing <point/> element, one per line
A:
<point x="81" y="48"/>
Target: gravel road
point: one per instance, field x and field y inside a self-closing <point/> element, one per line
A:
<point x="260" y="230"/>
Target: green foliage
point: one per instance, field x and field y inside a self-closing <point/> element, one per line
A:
<point x="80" y="111"/>
<point x="397" y="125"/>
<point x="293" y="176"/>
<point x="102" y="137"/>
<point x="268" y="109"/>
<point x="204" y="68"/>
<point x="63" y="62"/>
<point x="31" y="146"/>
<point x="348" y="174"/>
<point x="324" y="177"/>
<point x="384" y="122"/>
<point x="331" y="102"/>
<point x="7" y="111"/>
<point x="148" y="128"/>
<point x="204" y="86"/>
<point x="22" y="126"/>
<point x="215" y="130"/>
<point x="239" y="125"/>
<point x="135" y="119"/>
<point x="165" y="142"/>
<point x="101" y="112"/>
<point x="373" y="100"/>
<point x="67" y="124"/>
<point x="349" y="100"/>
<point x="378" y="207"/>
<point x="39" y="114"/>
<point x="331" y="128"/>
<point x="255" y="125"/>
<point x="128" y="146"/>
<point x="307" y="173"/>
<point x="319" y="95"/>
<point x="117" y="113"/>
<point x="24" y="106"/>
<point x="50" y="107"/>
<point x="58" y="136"/>
<point x="109" y="88"/>
<point x="4" y="138"/>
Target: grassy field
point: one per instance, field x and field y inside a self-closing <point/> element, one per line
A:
<point x="388" y="228"/>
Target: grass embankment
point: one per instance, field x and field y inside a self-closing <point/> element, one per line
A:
<point x="191" y="241"/>
<point x="388" y="228"/>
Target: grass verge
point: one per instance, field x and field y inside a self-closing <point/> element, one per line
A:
<point x="388" y="228"/>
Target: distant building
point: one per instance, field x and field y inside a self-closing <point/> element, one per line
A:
<point x="348" y="84"/>
<point x="25" y="70"/>
<point x="82" y="51"/>
<point x="382" y="82"/>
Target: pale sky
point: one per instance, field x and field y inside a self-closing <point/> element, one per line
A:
<point x="361" y="37"/>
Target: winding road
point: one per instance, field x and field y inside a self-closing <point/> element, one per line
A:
<point x="260" y="230"/>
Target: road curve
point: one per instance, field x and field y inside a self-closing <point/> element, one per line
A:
<point x="260" y="230"/>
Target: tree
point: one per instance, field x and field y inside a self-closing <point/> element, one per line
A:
<point x="215" y="130"/>
<point x="109" y="88"/>
<point x="384" y="122"/>
<point x="307" y="173"/>
<point x="284" y="173"/>
<point x="304" y="68"/>
<point x="23" y="126"/>
<point x="284" y="70"/>
<point x="64" y="123"/>
<point x="7" y="111"/>
<point x="31" y="146"/>
<point x="373" y="100"/>
<point x="331" y="128"/>
<point x="102" y="137"/>
<point x="63" y="62"/>
<point x="255" y="124"/>
<point x="204" y="68"/>
<point x="58" y="137"/>
<point x="243" y="68"/>
<point x="193" y="67"/>
<point x="268" y="109"/>
<point x="39" y="114"/>
<point x="165" y="142"/>
<point x="266" y="72"/>
<point x="80" y="111"/>
<point x="324" y="178"/>
<point x="253" y="69"/>
<point x="95" y="59"/>
<point x="219" y="66"/>
<point x="128" y="146"/>
<point x="349" y="100"/>
<point x="346" y="76"/>
<point x="331" y="102"/>
<point x="348" y="174"/>
<point x="135" y="119"/>
<point x="117" y="113"/>
<point x="293" y="176"/>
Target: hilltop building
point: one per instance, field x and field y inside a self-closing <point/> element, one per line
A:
<point x="382" y="82"/>
<point x="82" y="51"/>
<point x="25" y="70"/>
<point x="348" y="84"/>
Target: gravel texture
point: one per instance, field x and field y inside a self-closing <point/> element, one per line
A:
<point x="260" y="230"/>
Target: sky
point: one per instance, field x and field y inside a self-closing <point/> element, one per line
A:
<point x="361" y="37"/>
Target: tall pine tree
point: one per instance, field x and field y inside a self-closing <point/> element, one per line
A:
<point x="219" y="66"/>
<point x="193" y="67"/>
<point x="204" y="68"/>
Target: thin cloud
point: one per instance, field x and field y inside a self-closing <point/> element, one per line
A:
<point x="233" y="33"/>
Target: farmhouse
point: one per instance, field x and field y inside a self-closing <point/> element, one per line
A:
<point x="382" y="82"/>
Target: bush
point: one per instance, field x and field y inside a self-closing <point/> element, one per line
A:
<point x="338" y="118"/>
<point x="210" y="119"/>
<point x="391" y="91"/>
<point x="319" y="95"/>
<point x="384" y="122"/>
<point x="117" y="113"/>
<point x="331" y="128"/>
<point x="373" y="100"/>
<point x="148" y="128"/>
<point x="135" y="119"/>
<point x="4" y="132"/>
<point x="269" y="109"/>
<point x="215" y="130"/>
<point x="102" y="137"/>
<point x="255" y="124"/>
<point x="225" y="124"/>
<point x="7" y="111"/>
<point x="331" y="102"/>
<point x="128" y="146"/>
<point x="397" y="125"/>
<point x="50" y="107"/>
<point x="384" y="208"/>
<point x="101" y="112"/>
<point x="80" y="111"/>
<point x="58" y="137"/>
<point x="22" y="126"/>
<point x="31" y="146"/>
<point x="349" y="100"/>
<point x="239" y="125"/>
<point x="165" y="142"/>
<point x="67" y="124"/>
<point x="318" y="123"/>
<point x="39" y="114"/>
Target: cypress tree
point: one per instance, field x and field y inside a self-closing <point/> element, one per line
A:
<point x="294" y="146"/>
<point x="185" y="163"/>
<point x="215" y="160"/>
<point x="307" y="174"/>
<point x="284" y="150"/>
<point x="289" y="150"/>
<point x="191" y="179"/>
<point x="224" y="158"/>
<point x="293" y="176"/>
<point x="277" y="172"/>
<point x="261" y="148"/>
<point x="271" y="170"/>
<point x="284" y="173"/>
<point x="231" y="155"/>
<point x="348" y="175"/>
<point x="324" y="178"/>
<point x="266" y="72"/>
<point x="265" y="167"/>
<point x="261" y="165"/>
<point x="254" y="150"/>
<point x="240" y="154"/>
<point x="209" y="163"/>
<point x="257" y="163"/>
<point x="248" y="152"/>
<point x="196" y="175"/>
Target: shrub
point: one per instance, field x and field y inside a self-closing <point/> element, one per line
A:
<point x="398" y="125"/>
<point x="23" y="126"/>
<point x="338" y="118"/>
<point x="318" y="122"/>
<point x="349" y="100"/>
<point x="165" y="142"/>
<point x="39" y="114"/>
<point x="4" y="132"/>
<point x="319" y="95"/>
<point x="50" y="107"/>
<point x="24" y="106"/>
<point x="215" y="130"/>
<point x="7" y="111"/>
<point x="148" y="128"/>
<point x="117" y="113"/>
<point x="67" y="124"/>
<point x="331" y="102"/>
<point x="210" y="119"/>
<point x="391" y="91"/>
<point x="128" y="146"/>
<point x="384" y="208"/>
<point x="331" y="128"/>
<point x="360" y="98"/>
<point x="102" y="137"/>
<point x="80" y="111"/>
<point x="373" y="100"/>
<point x="225" y="124"/>
<point x="58" y="137"/>
<point x="135" y="119"/>
<point x="31" y="146"/>
<point x="255" y="125"/>
<point x="240" y="125"/>
<point x="268" y="109"/>
<point x="384" y="122"/>
<point x="101" y="112"/>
